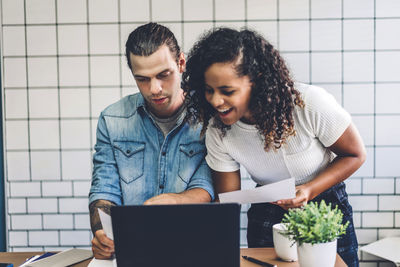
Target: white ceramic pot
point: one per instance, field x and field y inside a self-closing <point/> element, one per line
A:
<point x="317" y="255"/>
<point x="284" y="247"/>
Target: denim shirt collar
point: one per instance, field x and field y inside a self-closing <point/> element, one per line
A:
<point x="140" y="102"/>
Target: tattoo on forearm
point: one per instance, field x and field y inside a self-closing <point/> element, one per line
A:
<point x="105" y="206"/>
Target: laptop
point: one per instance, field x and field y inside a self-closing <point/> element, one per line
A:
<point x="189" y="235"/>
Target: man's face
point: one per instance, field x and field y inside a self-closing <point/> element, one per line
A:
<point x="158" y="79"/>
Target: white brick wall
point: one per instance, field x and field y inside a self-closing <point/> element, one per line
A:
<point x="389" y="203"/>
<point x="378" y="186"/>
<point x="58" y="221"/>
<point x="59" y="189"/>
<point x="24" y="222"/>
<point x="26" y="249"/>
<point x="42" y="205"/>
<point x="18" y="238"/>
<point x="362" y="203"/>
<point x="243" y="220"/>
<point x="25" y="189"/>
<point x="365" y="236"/>
<point x="17" y="205"/>
<point x="243" y="238"/>
<point x="50" y="116"/>
<point x="73" y="238"/>
<point x="82" y="221"/>
<point x="377" y="219"/>
<point x="40" y="238"/>
<point x="74" y="205"/>
<point x="382" y="233"/>
<point x="18" y="165"/>
<point x="353" y="186"/>
<point x="386" y="161"/>
<point x="357" y="219"/>
<point x="81" y="188"/>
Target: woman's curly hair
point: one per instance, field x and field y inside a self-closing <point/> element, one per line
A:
<point x="273" y="96"/>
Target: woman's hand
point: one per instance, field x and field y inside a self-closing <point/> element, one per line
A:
<point x="302" y="197"/>
<point x="350" y="153"/>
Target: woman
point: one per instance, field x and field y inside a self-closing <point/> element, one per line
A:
<point x="255" y="115"/>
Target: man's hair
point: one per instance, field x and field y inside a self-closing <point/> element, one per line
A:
<point x="148" y="38"/>
<point x="273" y="94"/>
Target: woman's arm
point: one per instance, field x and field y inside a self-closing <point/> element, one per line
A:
<point x="351" y="154"/>
<point x="225" y="182"/>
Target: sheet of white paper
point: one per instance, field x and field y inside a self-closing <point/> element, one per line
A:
<point x="284" y="189"/>
<point x="63" y="258"/>
<point x="29" y="260"/>
<point x="387" y="248"/>
<point x="102" y="263"/>
<point x="105" y="220"/>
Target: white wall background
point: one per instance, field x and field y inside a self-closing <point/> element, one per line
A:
<point x="63" y="62"/>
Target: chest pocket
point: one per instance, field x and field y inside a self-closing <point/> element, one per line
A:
<point x="130" y="159"/>
<point x="190" y="157"/>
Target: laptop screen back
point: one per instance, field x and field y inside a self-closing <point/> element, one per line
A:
<point x="205" y="235"/>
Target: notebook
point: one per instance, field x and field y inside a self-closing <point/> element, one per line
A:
<point x="187" y="235"/>
<point x="387" y="248"/>
<point x="61" y="259"/>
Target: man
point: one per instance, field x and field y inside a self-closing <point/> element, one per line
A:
<point x="145" y="152"/>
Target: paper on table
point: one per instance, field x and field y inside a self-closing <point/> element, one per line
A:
<point x="284" y="189"/>
<point x="105" y="220"/>
<point x="63" y="258"/>
<point x="102" y="263"/>
<point x="31" y="259"/>
<point x="387" y="248"/>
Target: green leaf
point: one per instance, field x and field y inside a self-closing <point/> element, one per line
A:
<point x="314" y="223"/>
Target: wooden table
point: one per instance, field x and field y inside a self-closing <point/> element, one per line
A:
<point x="264" y="254"/>
<point x="269" y="255"/>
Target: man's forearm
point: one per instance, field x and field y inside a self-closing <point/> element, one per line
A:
<point x="195" y="195"/>
<point x="105" y="206"/>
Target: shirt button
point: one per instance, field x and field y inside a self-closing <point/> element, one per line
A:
<point x="163" y="153"/>
<point x="128" y="151"/>
<point x="191" y="152"/>
<point x="161" y="186"/>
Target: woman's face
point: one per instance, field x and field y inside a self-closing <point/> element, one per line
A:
<point x="228" y="93"/>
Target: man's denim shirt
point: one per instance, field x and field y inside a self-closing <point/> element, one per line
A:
<point x="133" y="162"/>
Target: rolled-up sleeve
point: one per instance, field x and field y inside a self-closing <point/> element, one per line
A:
<point x="105" y="178"/>
<point x="202" y="179"/>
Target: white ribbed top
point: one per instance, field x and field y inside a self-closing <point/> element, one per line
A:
<point x="318" y="125"/>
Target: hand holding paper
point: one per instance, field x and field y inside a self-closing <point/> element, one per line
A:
<point x="284" y="189"/>
<point x="105" y="220"/>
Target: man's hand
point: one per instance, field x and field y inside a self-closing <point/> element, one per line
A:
<point x="302" y="197"/>
<point x="102" y="246"/>
<point x="164" y="199"/>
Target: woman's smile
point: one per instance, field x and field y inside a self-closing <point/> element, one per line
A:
<point x="227" y="92"/>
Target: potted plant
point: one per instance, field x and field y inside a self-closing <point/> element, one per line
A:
<point x="315" y="228"/>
